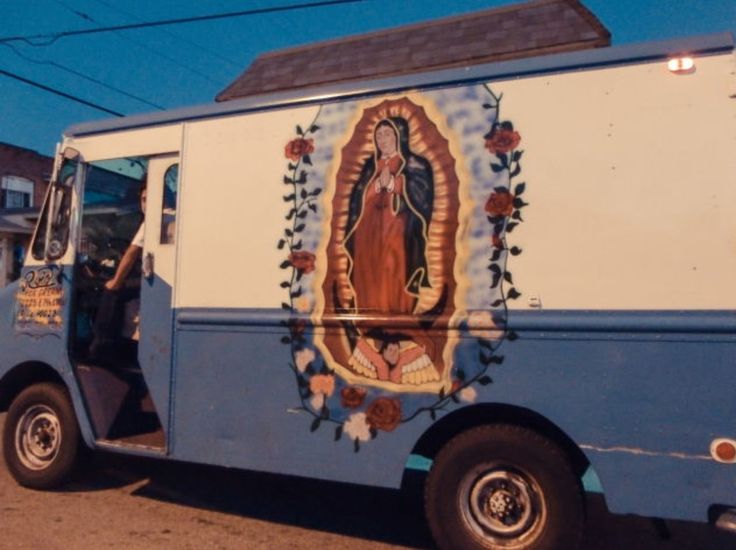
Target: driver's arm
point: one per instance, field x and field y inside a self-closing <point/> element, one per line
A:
<point x="131" y="256"/>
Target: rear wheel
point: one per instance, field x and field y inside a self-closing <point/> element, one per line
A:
<point x="41" y="439"/>
<point x="503" y="487"/>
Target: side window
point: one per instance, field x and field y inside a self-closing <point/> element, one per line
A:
<point x="16" y="192"/>
<point x="168" y="204"/>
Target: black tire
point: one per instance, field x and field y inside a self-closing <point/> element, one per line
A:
<point x="503" y="487"/>
<point x="41" y="440"/>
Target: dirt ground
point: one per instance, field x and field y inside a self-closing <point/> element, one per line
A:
<point x="119" y="502"/>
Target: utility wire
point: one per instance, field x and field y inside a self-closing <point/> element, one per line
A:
<point x="53" y="37"/>
<point x="59" y="93"/>
<point x="81" y="75"/>
<point x="142" y="45"/>
<point x="173" y="35"/>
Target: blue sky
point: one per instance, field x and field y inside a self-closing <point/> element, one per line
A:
<point x="189" y="64"/>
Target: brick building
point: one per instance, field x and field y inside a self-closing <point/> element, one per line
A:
<point x="24" y="176"/>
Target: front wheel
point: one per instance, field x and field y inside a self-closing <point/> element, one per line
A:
<point x="41" y="437"/>
<point x="503" y="487"/>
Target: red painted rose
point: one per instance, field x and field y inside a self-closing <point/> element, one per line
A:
<point x="502" y="141"/>
<point x="498" y="242"/>
<point x="297" y="148"/>
<point x="500" y="204"/>
<point x="303" y="261"/>
<point x="384" y="414"/>
<point x="352" y="397"/>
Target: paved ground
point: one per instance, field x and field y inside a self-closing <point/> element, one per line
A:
<point x="142" y="504"/>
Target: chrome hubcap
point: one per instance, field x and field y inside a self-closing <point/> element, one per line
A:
<point x="502" y="505"/>
<point x="38" y="437"/>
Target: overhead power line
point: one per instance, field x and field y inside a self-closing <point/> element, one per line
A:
<point x="53" y="37"/>
<point x="173" y="35"/>
<point x="81" y="75"/>
<point x="59" y="93"/>
<point x="139" y="44"/>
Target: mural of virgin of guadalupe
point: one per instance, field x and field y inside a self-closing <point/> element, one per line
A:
<point x="388" y="218"/>
<point x="386" y="227"/>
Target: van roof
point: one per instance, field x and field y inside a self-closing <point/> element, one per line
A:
<point x="503" y="70"/>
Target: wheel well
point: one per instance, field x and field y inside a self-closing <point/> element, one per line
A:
<point x="21" y="376"/>
<point x="469" y="417"/>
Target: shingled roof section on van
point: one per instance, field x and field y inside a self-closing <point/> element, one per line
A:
<point x="520" y="30"/>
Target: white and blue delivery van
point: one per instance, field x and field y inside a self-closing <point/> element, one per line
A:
<point x="511" y="274"/>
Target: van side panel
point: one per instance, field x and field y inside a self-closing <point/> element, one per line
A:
<point x="591" y="281"/>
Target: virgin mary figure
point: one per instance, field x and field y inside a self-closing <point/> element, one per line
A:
<point x="389" y="213"/>
<point x="386" y="234"/>
<point x="389" y="283"/>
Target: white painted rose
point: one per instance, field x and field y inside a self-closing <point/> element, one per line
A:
<point x="303" y="358"/>
<point x="356" y="427"/>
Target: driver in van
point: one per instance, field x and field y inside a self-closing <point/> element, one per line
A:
<point x="108" y="324"/>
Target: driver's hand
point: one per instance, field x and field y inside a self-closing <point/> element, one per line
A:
<point x="112" y="284"/>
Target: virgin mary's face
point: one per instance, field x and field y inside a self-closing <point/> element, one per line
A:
<point x="386" y="140"/>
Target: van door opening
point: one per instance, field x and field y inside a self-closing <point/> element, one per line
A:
<point x="105" y="317"/>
